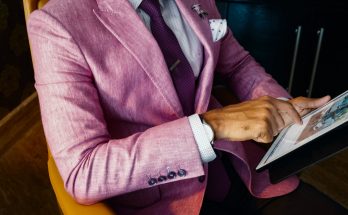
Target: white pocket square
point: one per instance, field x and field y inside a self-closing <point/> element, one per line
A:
<point x="218" y="28"/>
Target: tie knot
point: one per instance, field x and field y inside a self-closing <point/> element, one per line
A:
<point x="151" y="7"/>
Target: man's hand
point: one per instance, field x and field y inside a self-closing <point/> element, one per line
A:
<point x="260" y="119"/>
<point x="304" y="105"/>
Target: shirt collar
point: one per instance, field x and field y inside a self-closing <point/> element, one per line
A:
<point x="135" y="3"/>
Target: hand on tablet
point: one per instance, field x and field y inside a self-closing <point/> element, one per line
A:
<point x="303" y="105"/>
<point x="257" y="119"/>
<point x="260" y="119"/>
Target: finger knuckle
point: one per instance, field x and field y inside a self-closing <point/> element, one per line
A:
<point x="265" y="98"/>
<point x="263" y="124"/>
<point x="269" y="139"/>
<point x="264" y="137"/>
<point x="265" y="113"/>
<point x="263" y="128"/>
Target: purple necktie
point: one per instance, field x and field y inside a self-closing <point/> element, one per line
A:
<point x="180" y="69"/>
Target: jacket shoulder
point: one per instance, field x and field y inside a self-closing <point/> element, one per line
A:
<point x="69" y="12"/>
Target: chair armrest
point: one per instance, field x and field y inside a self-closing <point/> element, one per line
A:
<point x="67" y="204"/>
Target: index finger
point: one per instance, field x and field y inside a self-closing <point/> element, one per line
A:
<point x="289" y="109"/>
<point x="314" y="102"/>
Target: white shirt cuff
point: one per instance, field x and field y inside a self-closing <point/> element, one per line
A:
<point x="204" y="146"/>
<point x="283" y="98"/>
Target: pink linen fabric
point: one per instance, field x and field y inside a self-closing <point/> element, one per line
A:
<point x="111" y="115"/>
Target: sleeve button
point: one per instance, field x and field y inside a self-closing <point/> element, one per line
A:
<point x="182" y="172"/>
<point x="171" y="175"/>
<point x="162" y="178"/>
<point x="152" y="181"/>
<point x="201" y="178"/>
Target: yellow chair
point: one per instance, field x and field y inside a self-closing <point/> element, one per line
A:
<point x="67" y="204"/>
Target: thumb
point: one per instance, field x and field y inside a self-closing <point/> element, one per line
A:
<point x="315" y="103"/>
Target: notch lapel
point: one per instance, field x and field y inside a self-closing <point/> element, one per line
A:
<point x="120" y="18"/>
<point x="202" y="29"/>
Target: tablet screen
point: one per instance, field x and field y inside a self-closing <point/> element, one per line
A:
<point x="315" y="124"/>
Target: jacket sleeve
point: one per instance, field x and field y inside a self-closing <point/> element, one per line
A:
<point x="93" y="165"/>
<point x="245" y="76"/>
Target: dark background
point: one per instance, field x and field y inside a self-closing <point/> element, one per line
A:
<point x="267" y="29"/>
<point x="16" y="72"/>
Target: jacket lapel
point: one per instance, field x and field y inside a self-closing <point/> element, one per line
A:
<point x="202" y="29"/>
<point x="123" y="22"/>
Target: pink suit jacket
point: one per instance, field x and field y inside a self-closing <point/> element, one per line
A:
<point x="111" y="115"/>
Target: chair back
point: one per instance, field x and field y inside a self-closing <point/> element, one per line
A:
<point x="31" y="5"/>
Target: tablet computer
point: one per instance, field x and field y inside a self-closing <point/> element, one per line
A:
<point x="292" y="144"/>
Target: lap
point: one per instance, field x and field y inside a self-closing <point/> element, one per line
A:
<point x="304" y="200"/>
